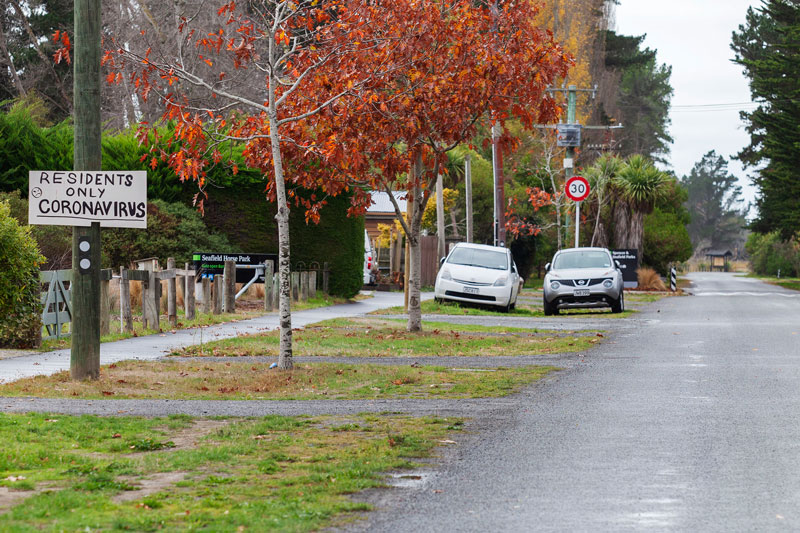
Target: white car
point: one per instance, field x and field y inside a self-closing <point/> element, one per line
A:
<point x="369" y="261"/>
<point x="479" y="274"/>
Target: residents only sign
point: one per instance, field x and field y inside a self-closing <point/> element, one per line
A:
<point x="115" y="199"/>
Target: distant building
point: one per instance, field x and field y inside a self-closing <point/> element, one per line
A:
<point x="382" y="211"/>
<point x="719" y="260"/>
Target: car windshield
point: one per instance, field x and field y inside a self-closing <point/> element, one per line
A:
<point x="479" y="258"/>
<point x="582" y="259"/>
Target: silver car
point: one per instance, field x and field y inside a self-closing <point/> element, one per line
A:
<point x="583" y="278"/>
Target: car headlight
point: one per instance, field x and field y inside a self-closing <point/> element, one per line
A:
<point x="445" y="275"/>
<point x="555" y="285"/>
<point x="608" y="284"/>
<point x="501" y="281"/>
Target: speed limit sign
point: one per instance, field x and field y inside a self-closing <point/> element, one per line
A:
<point x="577" y="188"/>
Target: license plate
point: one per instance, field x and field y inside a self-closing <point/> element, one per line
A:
<point x="581" y="292"/>
<point x="470" y="290"/>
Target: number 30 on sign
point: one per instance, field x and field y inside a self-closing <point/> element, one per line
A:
<point x="577" y="188"/>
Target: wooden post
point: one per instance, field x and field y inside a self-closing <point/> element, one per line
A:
<point x="87" y="155"/>
<point x="216" y="307"/>
<point x="276" y="292"/>
<point x="230" y="287"/>
<point x="268" y="285"/>
<point x="105" y="303"/>
<point x="304" y="286"/>
<point x="325" y="277"/>
<point x="295" y="286"/>
<point x="312" y="284"/>
<point x="206" y="295"/>
<point x="188" y="294"/>
<point x="151" y="301"/>
<point x="172" y="296"/>
<point x="125" y="314"/>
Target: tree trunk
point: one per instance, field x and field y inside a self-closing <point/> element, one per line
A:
<point x="440" y="248"/>
<point x="637" y="233"/>
<point x="414" y="285"/>
<point x="284" y="269"/>
<point x="67" y="103"/>
<point x="9" y="61"/>
<point x="622" y="225"/>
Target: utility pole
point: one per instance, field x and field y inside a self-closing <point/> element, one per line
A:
<point x="499" y="188"/>
<point x="468" y="193"/>
<point x="85" y="289"/>
<point x="569" y="160"/>
<point x="571" y="139"/>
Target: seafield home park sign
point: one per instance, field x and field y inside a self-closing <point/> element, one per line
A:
<point x="115" y="199"/>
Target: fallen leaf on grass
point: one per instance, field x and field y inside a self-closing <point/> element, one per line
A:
<point x="116" y="436"/>
<point x="447" y="441"/>
<point x="108" y="393"/>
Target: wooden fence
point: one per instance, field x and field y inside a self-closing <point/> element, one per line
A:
<point x="217" y="294"/>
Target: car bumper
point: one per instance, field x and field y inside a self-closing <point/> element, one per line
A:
<point x="459" y="292"/>
<point x="566" y="299"/>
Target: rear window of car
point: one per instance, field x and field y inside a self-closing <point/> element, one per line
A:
<point x="478" y="257"/>
<point x="584" y="259"/>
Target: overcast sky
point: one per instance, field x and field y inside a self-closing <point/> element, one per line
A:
<point x="694" y="36"/>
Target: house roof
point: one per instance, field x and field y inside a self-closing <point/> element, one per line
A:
<point x="718" y="253"/>
<point x="381" y="203"/>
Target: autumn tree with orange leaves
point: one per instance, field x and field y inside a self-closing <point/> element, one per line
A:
<point x="341" y="95"/>
<point x="258" y="76"/>
<point x="467" y="62"/>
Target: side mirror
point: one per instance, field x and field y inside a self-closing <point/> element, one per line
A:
<point x="617" y="263"/>
<point x="441" y="261"/>
<point x="547" y="267"/>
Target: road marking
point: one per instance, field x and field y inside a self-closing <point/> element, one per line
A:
<point x="746" y="293"/>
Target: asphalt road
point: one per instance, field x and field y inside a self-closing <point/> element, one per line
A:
<point x="689" y="422"/>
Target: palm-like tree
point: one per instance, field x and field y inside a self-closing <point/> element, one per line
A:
<point x="637" y="186"/>
<point x="600" y="176"/>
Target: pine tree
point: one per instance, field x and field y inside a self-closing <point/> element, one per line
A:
<point x="766" y="46"/>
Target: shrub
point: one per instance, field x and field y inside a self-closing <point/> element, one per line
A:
<point x="20" y="299"/>
<point x="666" y="240"/>
<point x="649" y="280"/>
<point x="173" y="230"/>
<point x="769" y="254"/>
<point x="54" y="242"/>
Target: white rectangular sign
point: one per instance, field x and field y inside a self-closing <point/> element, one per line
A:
<point x="115" y="199"/>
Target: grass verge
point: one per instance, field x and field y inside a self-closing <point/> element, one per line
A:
<point x="90" y="473"/>
<point x="193" y="380"/>
<point x="528" y="305"/>
<point x="382" y="338"/>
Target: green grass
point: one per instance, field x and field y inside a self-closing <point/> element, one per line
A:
<point x="452" y="308"/>
<point x="524" y="308"/>
<point x="192" y="380"/>
<point x="374" y="337"/>
<point x="266" y="474"/>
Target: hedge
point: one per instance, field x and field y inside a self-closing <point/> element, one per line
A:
<point x="244" y="215"/>
<point x="20" y="292"/>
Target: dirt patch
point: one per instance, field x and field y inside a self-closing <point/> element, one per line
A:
<point x="10" y="498"/>
<point x="148" y="485"/>
<point x="190" y="437"/>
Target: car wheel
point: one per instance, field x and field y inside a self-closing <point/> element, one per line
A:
<point x="549" y="309"/>
<point x="618" y="306"/>
<point x="437" y="300"/>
